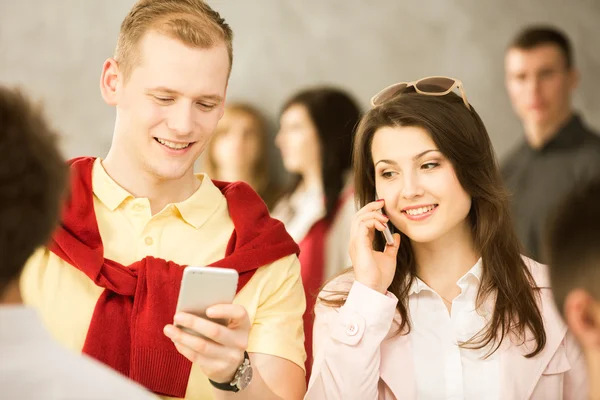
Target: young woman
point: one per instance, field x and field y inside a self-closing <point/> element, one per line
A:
<point x="450" y="309"/>
<point x="315" y="139"/>
<point x="238" y="151"/>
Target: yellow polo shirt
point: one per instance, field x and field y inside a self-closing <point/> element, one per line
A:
<point x="193" y="232"/>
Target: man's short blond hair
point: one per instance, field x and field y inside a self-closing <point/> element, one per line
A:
<point x="193" y="22"/>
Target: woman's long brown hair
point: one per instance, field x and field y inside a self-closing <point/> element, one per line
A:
<point x="461" y="136"/>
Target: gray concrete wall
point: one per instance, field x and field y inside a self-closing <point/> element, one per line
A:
<point x="55" y="49"/>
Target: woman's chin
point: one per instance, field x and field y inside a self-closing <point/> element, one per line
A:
<point x="422" y="236"/>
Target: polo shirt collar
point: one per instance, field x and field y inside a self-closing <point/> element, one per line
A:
<point x="106" y="189"/>
<point x="200" y="206"/>
<point x="195" y="210"/>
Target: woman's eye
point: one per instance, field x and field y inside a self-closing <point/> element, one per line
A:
<point x="430" y="165"/>
<point x="388" y="174"/>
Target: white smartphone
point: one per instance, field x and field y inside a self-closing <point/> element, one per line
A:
<point x="202" y="287"/>
<point x="387" y="233"/>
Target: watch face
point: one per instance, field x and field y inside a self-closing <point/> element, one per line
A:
<point x="245" y="378"/>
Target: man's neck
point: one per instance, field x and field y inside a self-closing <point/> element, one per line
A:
<point x="538" y="135"/>
<point x="442" y="263"/>
<point x="142" y="184"/>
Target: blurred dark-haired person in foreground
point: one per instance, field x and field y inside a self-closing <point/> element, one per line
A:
<point x="573" y="249"/>
<point x="559" y="152"/>
<point x="33" y="179"/>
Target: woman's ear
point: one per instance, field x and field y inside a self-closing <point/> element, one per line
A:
<point x="582" y="313"/>
<point x="109" y="81"/>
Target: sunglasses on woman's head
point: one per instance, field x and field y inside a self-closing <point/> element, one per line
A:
<point x="430" y="86"/>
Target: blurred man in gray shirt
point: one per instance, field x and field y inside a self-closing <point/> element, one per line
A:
<point x="559" y="152"/>
<point x="33" y="178"/>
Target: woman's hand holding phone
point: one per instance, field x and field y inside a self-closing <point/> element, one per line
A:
<point x="372" y="268"/>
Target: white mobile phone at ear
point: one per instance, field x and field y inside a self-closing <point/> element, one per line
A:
<point x="202" y="287"/>
<point x="387" y="233"/>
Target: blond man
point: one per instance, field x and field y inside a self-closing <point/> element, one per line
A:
<point x="107" y="283"/>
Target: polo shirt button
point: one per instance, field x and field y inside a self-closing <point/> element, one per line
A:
<point x="138" y="207"/>
<point x="148" y="240"/>
<point x="352" y="329"/>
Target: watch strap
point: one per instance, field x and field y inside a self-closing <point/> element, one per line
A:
<point x="230" y="386"/>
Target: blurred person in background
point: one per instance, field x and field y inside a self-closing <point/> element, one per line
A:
<point x="33" y="179"/>
<point x="315" y="140"/>
<point x="239" y="151"/>
<point x="573" y="248"/>
<point x="559" y="152"/>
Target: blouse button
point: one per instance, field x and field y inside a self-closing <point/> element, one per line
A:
<point x="352" y="329"/>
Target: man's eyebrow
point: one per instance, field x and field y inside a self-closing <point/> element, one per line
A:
<point x="163" y="90"/>
<point x="215" y="97"/>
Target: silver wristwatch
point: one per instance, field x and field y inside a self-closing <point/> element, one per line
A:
<point x="240" y="380"/>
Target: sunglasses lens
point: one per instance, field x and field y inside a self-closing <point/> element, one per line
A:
<point x="388" y="93"/>
<point x="435" y="85"/>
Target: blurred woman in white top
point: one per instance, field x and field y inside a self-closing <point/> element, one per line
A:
<point x="315" y="139"/>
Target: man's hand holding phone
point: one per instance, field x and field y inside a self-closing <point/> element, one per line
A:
<point x="372" y="268"/>
<point x="208" y="329"/>
<point x="220" y="350"/>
